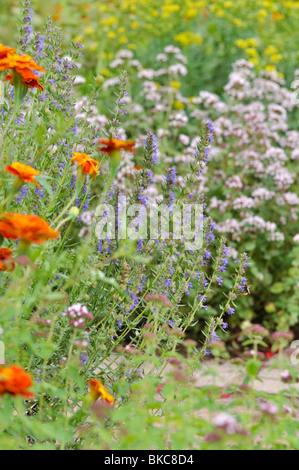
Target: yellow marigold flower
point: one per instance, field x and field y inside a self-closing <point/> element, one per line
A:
<point x="25" y="173"/>
<point x="98" y="390"/>
<point x="87" y="164"/>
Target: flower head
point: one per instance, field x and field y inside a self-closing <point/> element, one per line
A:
<point x="28" y="77"/>
<point x="6" y="262"/>
<point x="78" y="314"/>
<point x="15" y="381"/>
<point x="30" y="228"/>
<point x="88" y="165"/>
<point x="21" y="67"/>
<point x="5" y="50"/>
<point x="115" y="145"/>
<point x="98" y="390"/>
<point x="24" y="172"/>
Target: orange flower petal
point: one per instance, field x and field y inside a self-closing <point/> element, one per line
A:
<point x="112" y="145"/>
<point x="89" y="166"/>
<point x="29" y="228"/>
<point x="25" y="172"/>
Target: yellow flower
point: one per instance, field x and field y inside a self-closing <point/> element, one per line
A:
<point x="191" y="13"/>
<point x="186" y="38"/>
<point x="104" y="72"/>
<point x="134" y="24"/>
<point x="252" y="42"/>
<point x="270" y="68"/>
<point x="122" y="40"/>
<point x="276" y="58"/>
<point x="178" y="105"/>
<point x="254" y="60"/>
<point x="238" y="22"/>
<point x="251" y="51"/>
<point x="242" y="43"/>
<point x="270" y="50"/>
<point x="175" y="84"/>
<point x="89" y="30"/>
<point x="109" y="21"/>
<point x="111" y="34"/>
<point x="78" y="39"/>
<point x="155" y="13"/>
<point x="168" y="10"/>
<point x="219" y="13"/>
<point x="262" y="15"/>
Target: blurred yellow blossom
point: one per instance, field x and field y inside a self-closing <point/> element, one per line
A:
<point x="175" y="84"/>
<point x="109" y="21"/>
<point x="187" y="38"/>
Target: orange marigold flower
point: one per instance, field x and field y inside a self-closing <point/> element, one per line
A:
<point x="30" y="228"/>
<point x="114" y="145"/>
<point x="15" y="381"/>
<point x="28" y="77"/>
<point x="24" y="172"/>
<point x="98" y="390"/>
<point x="6" y="262"/>
<point x="5" y="50"/>
<point x="89" y="166"/>
<point x="21" y="64"/>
